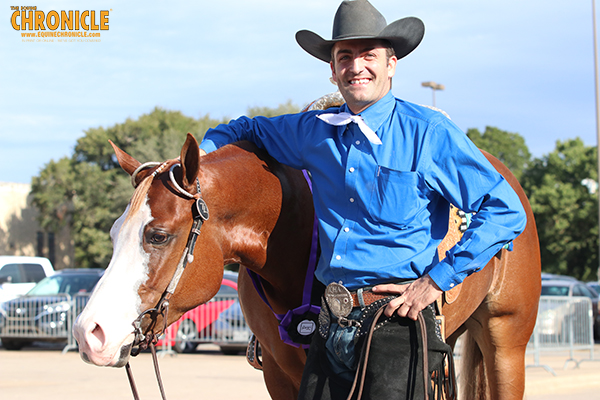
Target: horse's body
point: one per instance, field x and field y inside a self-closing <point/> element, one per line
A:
<point x="261" y="217"/>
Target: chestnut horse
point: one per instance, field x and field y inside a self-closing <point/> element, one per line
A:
<point x="261" y="216"/>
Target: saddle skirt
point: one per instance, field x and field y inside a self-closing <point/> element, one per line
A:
<point x="457" y="225"/>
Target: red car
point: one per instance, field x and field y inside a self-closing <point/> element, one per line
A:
<point x="195" y="326"/>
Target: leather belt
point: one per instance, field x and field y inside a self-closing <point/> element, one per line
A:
<point x="341" y="301"/>
<point x="368" y="298"/>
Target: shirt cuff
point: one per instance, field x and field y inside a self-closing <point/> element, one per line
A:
<point x="445" y="277"/>
<point x="208" y="145"/>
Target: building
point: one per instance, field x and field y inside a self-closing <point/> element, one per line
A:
<point x="20" y="233"/>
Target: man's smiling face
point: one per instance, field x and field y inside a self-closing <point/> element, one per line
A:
<point x="362" y="71"/>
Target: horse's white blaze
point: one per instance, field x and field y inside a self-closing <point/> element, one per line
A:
<point x="105" y="325"/>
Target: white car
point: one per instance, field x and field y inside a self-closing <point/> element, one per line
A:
<point x="18" y="275"/>
<point x="557" y="313"/>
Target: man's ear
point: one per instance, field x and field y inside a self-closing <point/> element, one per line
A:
<point x="332" y="71"/>
<point x="392" y="62"/>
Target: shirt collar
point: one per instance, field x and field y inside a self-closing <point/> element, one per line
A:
<point x="376" y="114"/>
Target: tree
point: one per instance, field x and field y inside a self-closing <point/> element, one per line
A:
<point x="88" y="191"/>
<point x="566" y="210"/>
<point x="286" y="108"/>
<point x="510" y="148"/>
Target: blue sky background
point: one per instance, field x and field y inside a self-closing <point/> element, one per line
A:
<point x="521" y="66"/>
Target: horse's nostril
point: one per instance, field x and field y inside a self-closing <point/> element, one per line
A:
<point x="98" y="334"/>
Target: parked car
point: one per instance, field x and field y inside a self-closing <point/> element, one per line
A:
<point x="47" y="311"/>
<point x="231" y="275"/>
<point x="230" y="330"/>
<point x="553" y="318"/>
<point x="18" y="275"/>
<point x="595" y="286"/>
<point x="547" y="276"/>
<point x="196" y="325"/>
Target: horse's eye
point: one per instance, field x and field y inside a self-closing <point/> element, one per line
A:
<point x="159" y="238"/>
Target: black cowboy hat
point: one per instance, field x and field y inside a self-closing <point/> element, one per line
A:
<point x="358" y="19"/>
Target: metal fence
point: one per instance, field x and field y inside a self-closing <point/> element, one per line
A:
<point x="33" y="319"/>
<point x="50" y="319"/>
<point x="564" y="324"/>
<point x="219" y="321"/>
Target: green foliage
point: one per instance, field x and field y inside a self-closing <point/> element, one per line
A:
<point x="286" y="108"/>
<point x="510" y="148"/>
<point x="53" y="192"/>
<point x="566" y="213"/>
<point x="89" y="191"/>
<point x="155" y="136"/>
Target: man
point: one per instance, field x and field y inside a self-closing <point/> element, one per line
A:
<point x="384" y="173"/>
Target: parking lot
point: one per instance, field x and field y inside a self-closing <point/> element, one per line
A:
<point x="44" y="372"/>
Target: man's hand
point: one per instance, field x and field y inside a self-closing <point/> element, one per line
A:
<point x="202" y="153"/>
<point x="413" y="298"/>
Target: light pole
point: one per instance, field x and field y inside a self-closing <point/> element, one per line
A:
<point x="597" y="120"/>
<point x="434" y="86"/>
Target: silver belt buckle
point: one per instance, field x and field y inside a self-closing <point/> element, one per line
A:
<point x="339" y="300"/>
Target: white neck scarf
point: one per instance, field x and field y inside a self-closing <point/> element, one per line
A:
<point x="345" y="118"/>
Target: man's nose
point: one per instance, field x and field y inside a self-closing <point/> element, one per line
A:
<point x="357" y="65"/>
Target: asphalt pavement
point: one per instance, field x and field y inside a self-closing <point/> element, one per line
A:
<point x="36" y="373"/>
<point x="564" y="375"/>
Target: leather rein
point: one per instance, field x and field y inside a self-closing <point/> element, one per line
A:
<point x="143" y="341"/>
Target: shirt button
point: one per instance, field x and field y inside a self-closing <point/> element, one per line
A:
<point x="452" y="285"/>
<point x="351" y="199"/>
<point x="351" y="169"/>
<point x="357" y="142"/>
<point x="346" y="229"/>
<point x="338" y="257"/>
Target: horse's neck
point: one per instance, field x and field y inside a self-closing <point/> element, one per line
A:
<point x="266" y="213"/>
<point x="290" y="243"/>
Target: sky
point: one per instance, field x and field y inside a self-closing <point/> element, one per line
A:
<point x="521" y="66"/>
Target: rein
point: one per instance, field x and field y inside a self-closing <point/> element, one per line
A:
<point x="143" y="341"/>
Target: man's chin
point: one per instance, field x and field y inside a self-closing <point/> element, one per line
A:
<point x="359" y="99"/>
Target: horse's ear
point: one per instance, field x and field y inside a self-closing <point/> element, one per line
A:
<point x="128" y="163"/>
<point x="190" y="160"/>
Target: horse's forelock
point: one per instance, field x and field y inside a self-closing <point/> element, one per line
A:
<point x="139" y="196"/>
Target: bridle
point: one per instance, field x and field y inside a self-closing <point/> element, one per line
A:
<point x="200" y="214"/>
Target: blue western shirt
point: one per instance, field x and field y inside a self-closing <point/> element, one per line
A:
<point x="383" y="209"/>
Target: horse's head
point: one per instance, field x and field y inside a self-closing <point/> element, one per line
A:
<point x="150" y="252"/>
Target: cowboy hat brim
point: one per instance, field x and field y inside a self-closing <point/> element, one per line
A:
<point x="404" y="35"/>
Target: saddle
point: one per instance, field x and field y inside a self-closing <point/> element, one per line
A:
<point x="457" y="225"/>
